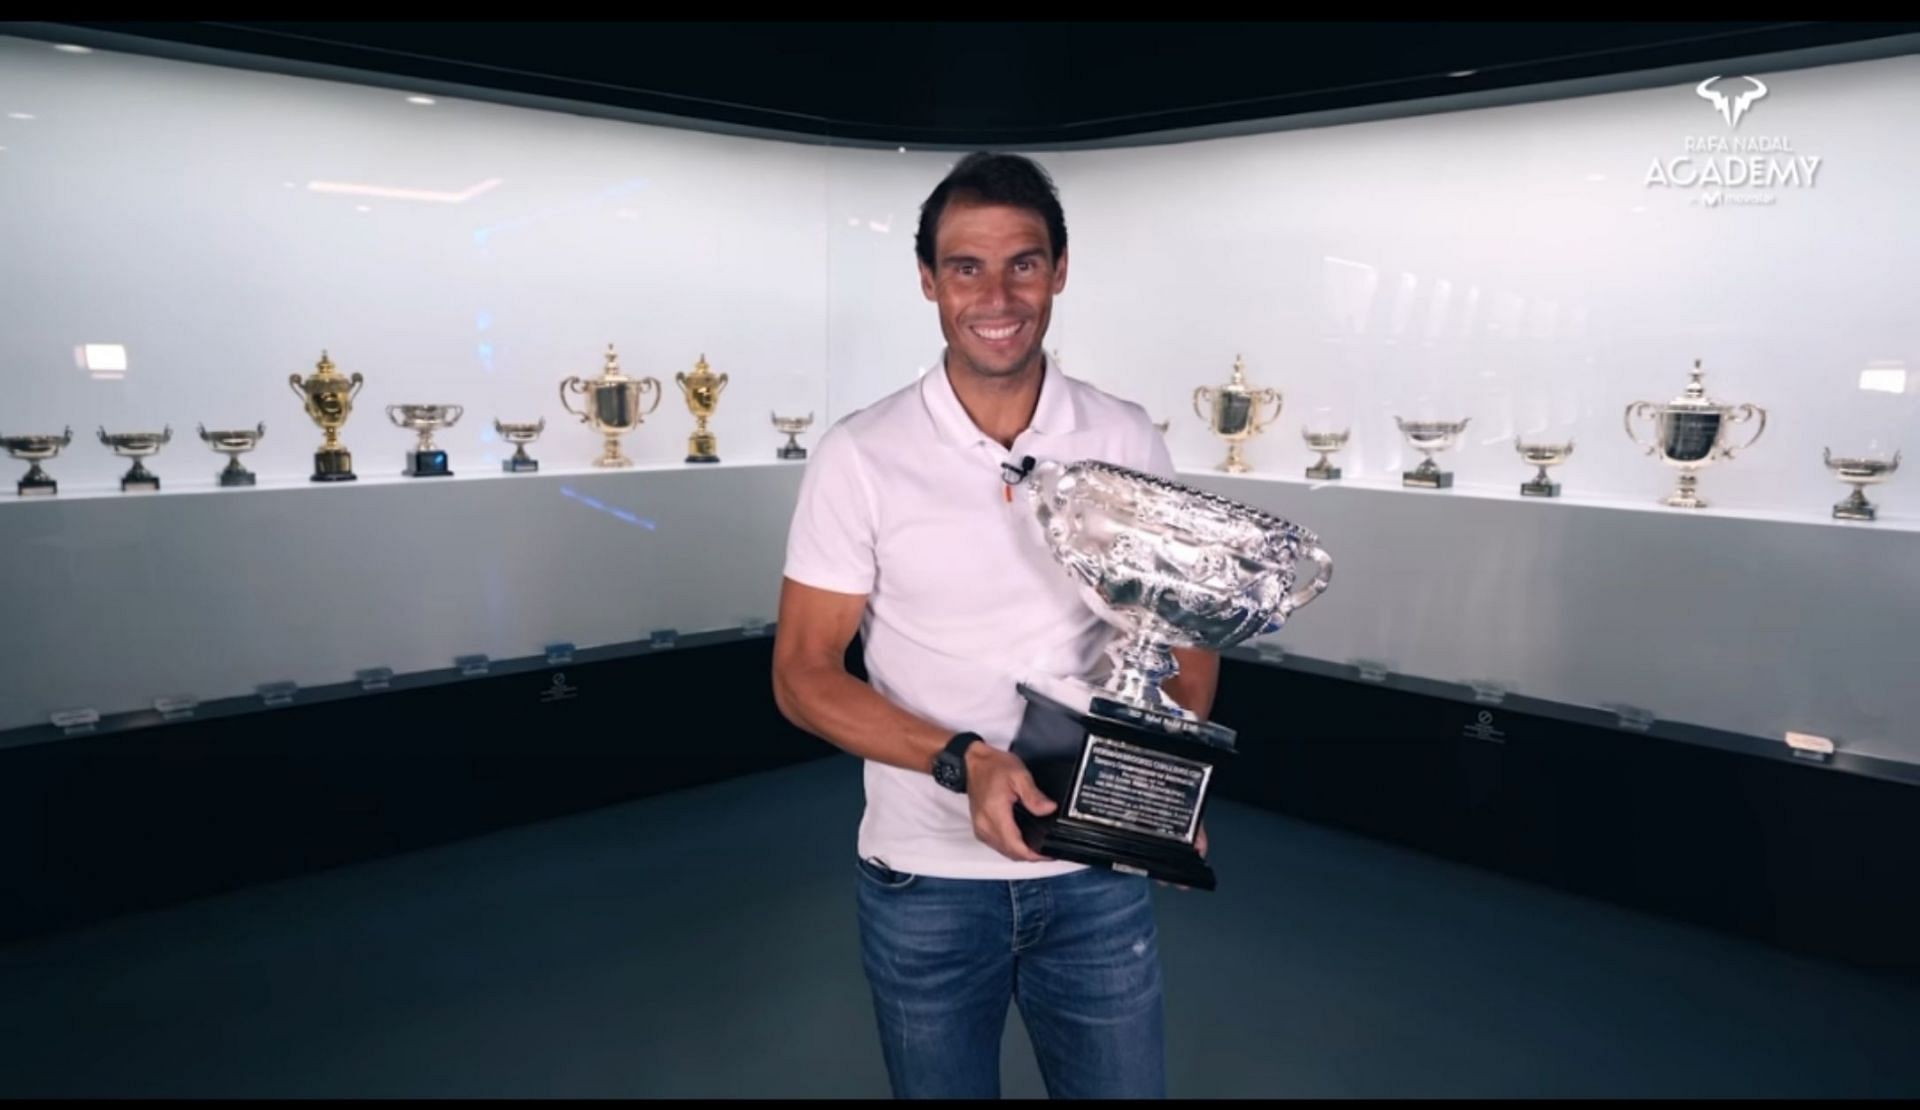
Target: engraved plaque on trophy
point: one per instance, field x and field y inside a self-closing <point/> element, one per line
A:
<point x="35" y="450"/>
<point x="138" y="446"/>
<point x="1169" y="567"/>
<point x="1690" y="432"/>
<point x="612" y="406"/>
<point x="328" y="396"/>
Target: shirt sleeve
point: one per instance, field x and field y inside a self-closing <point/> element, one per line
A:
<point x="830" y="543"/>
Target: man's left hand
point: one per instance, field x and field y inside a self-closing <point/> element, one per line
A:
<point x="1199" y="845"/>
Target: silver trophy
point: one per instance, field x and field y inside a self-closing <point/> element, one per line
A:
<point x="1691" y="432"/>
<point x="793" y="426"/>
<point x="1428" y="437"/>
<point x="36" y="450"/>
<point x="138" y="446"/>
<point x="1326" y="442"/>
<point x="520" y="435"/>
<point x="1542" y="455"/>
<point x="426" y="460"/>
<point x="1860" y="471"/>
<point x="1169" y="567"/>
<point x="233" y="444"/>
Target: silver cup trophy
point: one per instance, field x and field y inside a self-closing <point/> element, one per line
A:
<point x="793" y="426"/>
<point x="1859" y="471"/>
<point x="1542" y="455"/>
<point x="1690" y="432"/>
<point x="426" y="460"/>
<point x="1168" y="566"/>
<point x="234" y="444"/>
<point x="1326" y="442"/>
<point x="138" y="446"/>
<point x="520" y="435"/>
<point x="36" y="450"/>
<point x="1429" y="437"/>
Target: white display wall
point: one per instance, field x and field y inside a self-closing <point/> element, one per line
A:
<point x="218" y="228"/>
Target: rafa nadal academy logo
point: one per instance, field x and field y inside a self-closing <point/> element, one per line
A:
<point x="1712" y="166"/>
<point x="1731" y="110"/>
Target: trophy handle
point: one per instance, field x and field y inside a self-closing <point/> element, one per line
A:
<point x="293" y="383"/>
<point x="720" y="386"/>
<point x="1748" y="412"/>
<point x="657" y="391"/>
<point x="582" y="389"/>
<point x="1633" y="410"/>
<point x="1205" y="391"/>
<point x="1323" y="576"/>
<point x="458" y="412"/>
<point x="681" y="378"/>
<point x="1278" y="404"/>
<point x="358" y="381"/>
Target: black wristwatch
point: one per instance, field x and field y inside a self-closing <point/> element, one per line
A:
<point x="950" y="766"/>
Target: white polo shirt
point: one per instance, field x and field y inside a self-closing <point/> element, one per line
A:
<point x="904" y="501"/>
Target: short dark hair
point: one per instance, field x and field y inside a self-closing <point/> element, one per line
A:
<point x="987" y="178"/>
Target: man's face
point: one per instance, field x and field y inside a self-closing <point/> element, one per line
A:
<point x="994" y="280"/>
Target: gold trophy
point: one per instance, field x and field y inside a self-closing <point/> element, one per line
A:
<point x="702" y="388"/>
<point x="613" y="406"/>
<point x="1232" y="411"/>
<point x="328" y="396"/>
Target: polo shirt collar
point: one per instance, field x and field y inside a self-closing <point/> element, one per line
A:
<point x="1056" y="414"/>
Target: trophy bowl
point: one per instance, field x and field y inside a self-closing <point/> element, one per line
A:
<point x="233" y="444"/>
<point x="1859" y="471"/>
<point x="1170" y="566"/>
<point x="1429" y="437"/>
<point x="36" y="450"/>
<point x="1326" y="441"/>
<point x="137" y="446"/>
<point x="519" y="435"/>
<point x="1542" y="455"/>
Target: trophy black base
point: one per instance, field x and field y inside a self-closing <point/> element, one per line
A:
<point x="237" y="478"/>
<point x="427" y="464"/>
<point x="38" y="483"/>
<point x="792" y="452"/>
<point x="333" y="466"/>
<point x="1540" y="489"/>
<point x="1324" y="473"/>
<point x="703" y="447"/>
<point x="1847" y="510"/>
<point x="1130" y="786"/>
<point x="703" y="458"/>
<point x="520" y="466"/>
<point x="147" y="484"/>
<point x="1432" y="479"/>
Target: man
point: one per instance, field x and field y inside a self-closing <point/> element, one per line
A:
<point x="907" y="531"/>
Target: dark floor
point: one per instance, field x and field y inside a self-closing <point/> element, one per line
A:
<point x="702" y="944"/>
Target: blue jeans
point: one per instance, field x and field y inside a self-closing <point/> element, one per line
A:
<point x="1078" y="953"/>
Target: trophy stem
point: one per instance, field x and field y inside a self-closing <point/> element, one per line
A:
<point x="520" y="453"/>
<point x="612" y="457"/>
<point x="1236" y="463"/>
<point x="1140" y="664"/>
<point x="233" y="466"/>
<point x="139" y="471"/>
<point x="1855" y="507"/>
<point x="1541" y="478"/>
<point x="1687" y="496"/>
<point x="35" y="475"/>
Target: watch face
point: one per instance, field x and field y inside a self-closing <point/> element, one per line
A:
<point x="945" y="773"/>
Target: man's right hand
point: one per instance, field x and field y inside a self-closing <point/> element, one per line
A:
<point x="996" y="780"/>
